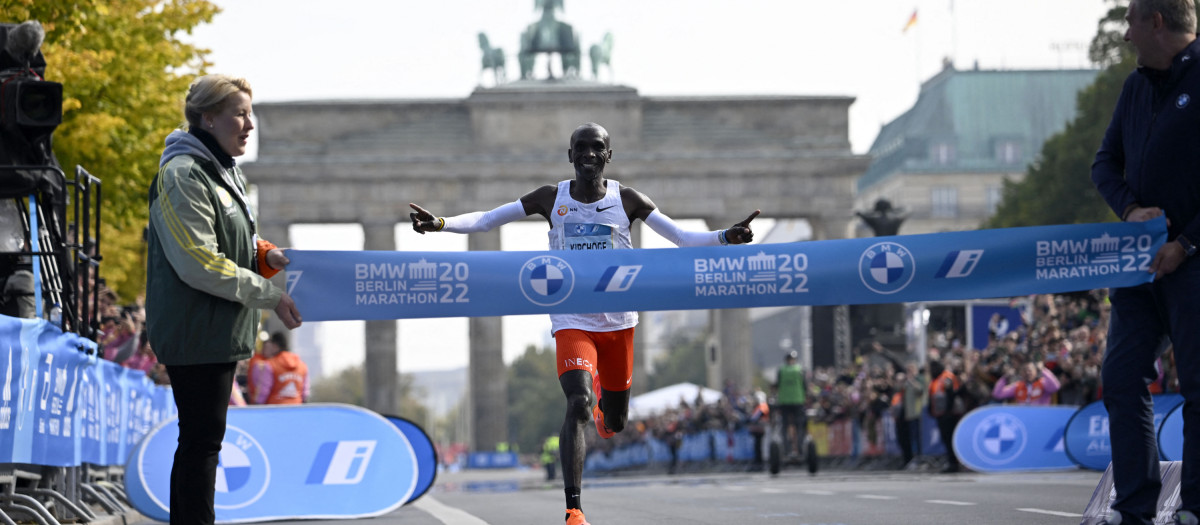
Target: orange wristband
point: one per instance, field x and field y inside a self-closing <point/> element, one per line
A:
<point x="265" y="269"/>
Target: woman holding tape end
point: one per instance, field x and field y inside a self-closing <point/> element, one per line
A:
<point x="207" y="277"/>
<point x="594" y="351"/>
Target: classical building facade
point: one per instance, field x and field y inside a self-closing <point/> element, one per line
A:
<point x="945" y="159"/>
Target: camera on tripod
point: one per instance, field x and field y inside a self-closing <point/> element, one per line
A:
<point x="30" y="106"/>
<point x="42" y="272"/>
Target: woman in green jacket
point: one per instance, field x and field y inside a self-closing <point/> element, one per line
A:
<point x="207" y="278"/>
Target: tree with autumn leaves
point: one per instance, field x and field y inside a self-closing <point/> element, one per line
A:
<point x="124" y="69"/>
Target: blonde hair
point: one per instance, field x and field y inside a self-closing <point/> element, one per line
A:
<point x="208" y="93"/>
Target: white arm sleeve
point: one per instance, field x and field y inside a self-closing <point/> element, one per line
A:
<point x="481" y="221"/>
<point x="668" y="228"/>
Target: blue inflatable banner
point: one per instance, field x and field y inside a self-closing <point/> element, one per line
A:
<point x="17" y="418"/>
<point x="426" y="454"/>
<point x="1087" y="441"/>
<point x="1170" y="434"/>
<point x="369" y="285"/>
<point x="998" y="438"/>
<point x="314" y="461"/>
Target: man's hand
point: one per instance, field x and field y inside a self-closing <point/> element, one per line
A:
<point x="741" y="233"/>
<point x="1145" y="214"/>
<point x="277" y="260"/>
<point x="422" y="220"/>
<point x="1170" y="255"/>
<point x="287" y="312"/>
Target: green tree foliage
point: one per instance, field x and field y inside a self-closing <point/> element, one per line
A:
<point x="535" y="399"/>
<point x="684" y="362"/>
<point x="1058" y="187"/>
<point x="125" y="71"/>
<point x="348" y="387"/>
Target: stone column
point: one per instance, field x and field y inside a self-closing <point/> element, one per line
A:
<point x="733" y="338"/>
<point x="380" y="375"/>
<point x="487" y="376"/>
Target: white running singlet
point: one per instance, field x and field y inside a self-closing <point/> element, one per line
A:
<point x="601" y="225"/>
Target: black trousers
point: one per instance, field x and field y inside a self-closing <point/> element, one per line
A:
<point x="202" y="397"/>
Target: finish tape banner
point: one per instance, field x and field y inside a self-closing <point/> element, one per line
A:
<point x="1000" y="438"/>
<point x="374" y="285"/>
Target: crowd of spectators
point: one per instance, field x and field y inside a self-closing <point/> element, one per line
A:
<point x="1052" y="356"/>
<point x="122" y="339"/>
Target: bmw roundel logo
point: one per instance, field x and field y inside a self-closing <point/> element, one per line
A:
<point x="999" y="439"/>
<point x="243" y="472"/>
<point x="546" y="280"/>
<point x="886" y="267"/>
<point x="1182" y="101"/>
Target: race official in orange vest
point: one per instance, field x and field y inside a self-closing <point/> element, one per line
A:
<point x="281" y="377"/>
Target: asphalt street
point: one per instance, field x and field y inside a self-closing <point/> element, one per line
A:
<point x="521" y="497"/>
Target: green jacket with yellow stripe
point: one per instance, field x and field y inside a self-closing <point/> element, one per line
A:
<point x="202" y="291"/>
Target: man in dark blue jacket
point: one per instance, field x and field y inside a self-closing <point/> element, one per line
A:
<point x="1149" y="166"/>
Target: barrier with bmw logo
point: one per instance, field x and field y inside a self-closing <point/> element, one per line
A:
<point x="314" y="461"/>
<point x="373" y="285"/>
<point x="997" y="438"/>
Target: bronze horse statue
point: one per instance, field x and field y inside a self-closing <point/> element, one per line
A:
<point x="601" y="54"/>
<point x="549" y="35"/>
<point x="493" y="59"/>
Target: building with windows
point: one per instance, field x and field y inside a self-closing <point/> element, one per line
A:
<point x="943" y="162"/>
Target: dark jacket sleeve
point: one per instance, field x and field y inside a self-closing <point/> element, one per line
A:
<point x="1108" y="169"/>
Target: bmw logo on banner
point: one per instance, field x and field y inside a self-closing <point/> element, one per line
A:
<point x="997" y="438"/>
<point x="886" y="267"/>
<point x="546" y="280"/>
<point x="243" y="471"/>
<point x="325" y="461"/>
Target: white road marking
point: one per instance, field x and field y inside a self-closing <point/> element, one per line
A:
<point x="1053" y="513"/>
<point x="874" y="496"/>
<point x="949" y="502"/>
<point x="445" y="514"/>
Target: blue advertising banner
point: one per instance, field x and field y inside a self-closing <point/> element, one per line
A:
<point x="1170" y="434"/>
<point x="374" y="285"/>
<point x="986" y="318"/>
<point x="1087" y="440"/>
<point x="315" y="461"/>
<point x="20" y="361"/>
<point x="91" y="417"/>
<point x="61" y="405"/>
<point x="114" y="412"/>
<point x="998" y="438"/>
<point x="59" y="372"/>
<point x="426" y="454"/>
<point x="492" y="460"/>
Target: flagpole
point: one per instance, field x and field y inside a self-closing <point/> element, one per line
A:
<point x="953" y="34"/>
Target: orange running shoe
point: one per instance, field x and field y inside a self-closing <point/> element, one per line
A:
<point x="601" y="428"/>
<point x="575" y="517"/>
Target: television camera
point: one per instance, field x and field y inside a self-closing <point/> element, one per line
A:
<point x="39" y="265"/>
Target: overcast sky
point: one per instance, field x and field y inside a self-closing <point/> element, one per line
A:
<point x="383" y="49"/>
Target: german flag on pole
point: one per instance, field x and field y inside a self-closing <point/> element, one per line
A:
<point x="912" y="21"/>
